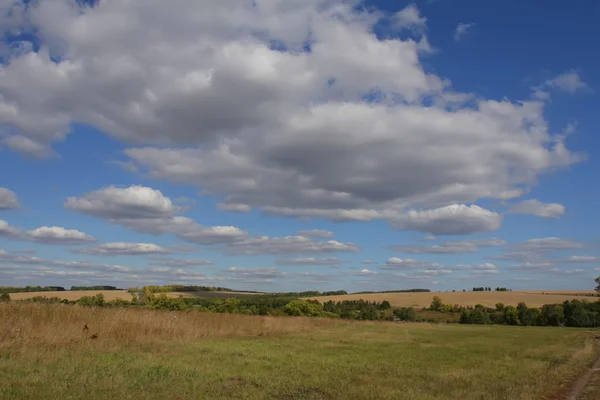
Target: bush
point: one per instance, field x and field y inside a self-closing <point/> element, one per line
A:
<point x="511" y="316"/>
<point x="476" y="316"/>
<point x="405" y="314"/>
<point x="436" y="304"/>
<point x="4" y="298"/>
<point x="304" y="308"/>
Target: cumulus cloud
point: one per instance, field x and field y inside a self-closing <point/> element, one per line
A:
<point x="269" y="109"/>
<point x="393" y="263"/>
<point x="410" y="18"/>
<point x="450" y="247"/>
<point x="569" y="82"/>
<point x="461" y="30"/>
<point x="329" y="261"/>
<point x="316" y="233"/>
<point x="449" y="220"/>
<point x="114" y="203"/>
<point x="59" y="235"/>
<point x="363" y="272"/>
<point x="9" y="231"/>
<point x="145" y="209"/>
<point x="123" y="248"/>
<point x="8" y="199"/>
<point x="288" y="245"/>
<point x="536" y="207"/>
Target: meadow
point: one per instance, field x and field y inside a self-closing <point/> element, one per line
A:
<point x="142" y="353"/>
<point x="488" y="299"/>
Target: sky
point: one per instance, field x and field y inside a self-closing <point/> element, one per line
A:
<point x="290" y="145"/>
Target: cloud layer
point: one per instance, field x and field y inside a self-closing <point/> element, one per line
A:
<point x="270" y="109"/>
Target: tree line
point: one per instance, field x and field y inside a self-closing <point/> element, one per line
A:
<point x="489" y="289"/>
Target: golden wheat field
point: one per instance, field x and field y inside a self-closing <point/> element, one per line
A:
<point x="489" y="299"/>
<point x="75" y="295"/>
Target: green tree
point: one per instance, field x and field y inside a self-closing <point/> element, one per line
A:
<point x="530" y="317"/>
<point x="301" y="308"/>
<point x="597" y="280"/>
<point x="511" y="316"/>
<point x="4" y="298"/>
<point x="499" y="306"/>
<point x="437" y="304"/>
<point x="405" y="314"/>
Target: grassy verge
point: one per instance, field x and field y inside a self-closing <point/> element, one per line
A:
<point x="158" y="355"/>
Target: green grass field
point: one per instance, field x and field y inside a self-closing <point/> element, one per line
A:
<point x="161" y="355"/>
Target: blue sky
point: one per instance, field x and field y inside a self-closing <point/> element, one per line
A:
<point x="379" y="145"/>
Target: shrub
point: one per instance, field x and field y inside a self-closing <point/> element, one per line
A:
<point x="4" y="298"/>
<point x="436" y="304"/>
<point x="511" y="316"/>
<point x="405" y="314"/>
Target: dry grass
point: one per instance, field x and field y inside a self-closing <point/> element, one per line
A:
<point x="75" y="295"/>
<point x="140" y="353"/>
<point x="489" y="299"/>
<point x="63" y="324"/>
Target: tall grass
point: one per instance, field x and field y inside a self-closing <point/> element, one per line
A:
<point x="28" y="323"/>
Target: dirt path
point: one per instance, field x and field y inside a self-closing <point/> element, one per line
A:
<point x="577" y="390"/>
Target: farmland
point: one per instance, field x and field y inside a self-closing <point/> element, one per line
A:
<point x="110" y="295"/>
<point x="488" y="299"/>
<point x="140" y="353"/>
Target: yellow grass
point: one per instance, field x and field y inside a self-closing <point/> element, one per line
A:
<point x="75" y="295"/>
<point x="63" y="324"/>
<point x="488" y="299"/>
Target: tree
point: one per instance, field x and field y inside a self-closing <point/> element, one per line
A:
<point x="405" y="314"/>
<point x="4" y="298"/>
<point x="436" y="304"/>
<point x="511" y="316"/>
<point x="385" y="305"/>
<point x="597" y="280"/>
<point x="499" y="306"/>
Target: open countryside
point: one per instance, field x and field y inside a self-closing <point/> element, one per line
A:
<point x="488" y="299"/>
<point x="159" y="355"/>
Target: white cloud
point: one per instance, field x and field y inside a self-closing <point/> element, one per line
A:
<point x="238" y="208"/>
<point x="179" y="263"/>
<point x="59" y="235"/>
<point x="27" y="146"/>
<point x="113" y="203"/>
<point x="410" y="18"/>
<point x="213" y="234"/>
<point x="330" y="261"/>
<point x="461" y="30"/>
<point x="288" y="245"/>
<point x="393" y="263"/>
<point x="9" y="231"/>
<point x="122" y="248"/>
<point x="536" y="207"/>
<point x="583" y="259"/>
<point x="281" y="131"/>
<point x="363" y="272"/>
<point x="570" y="82"/>
<point x="451" y="247"/>
<point x="255" y="273"/>
<point x="454" y="219"/>
<point x="548" y="244"/>
<point x="316" y="233"/>
<point x="8" y="199"/>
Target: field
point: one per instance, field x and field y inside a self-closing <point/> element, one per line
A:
<point x="120" y="294"/>
<point x="44" y="354"/>
<point x="75" y="295"/>
<point x="488" y="299"/>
